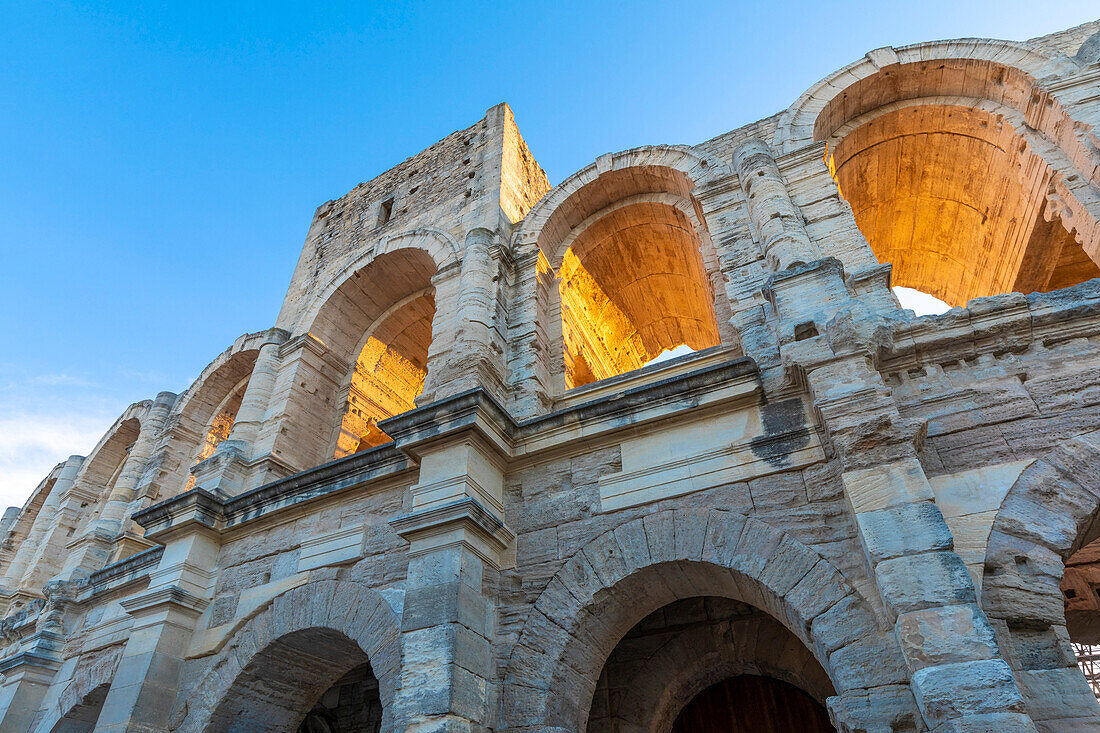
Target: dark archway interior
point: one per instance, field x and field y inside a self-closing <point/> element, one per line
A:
<point x="685" y="651"/>
<point x="351" y="705"/>
<point x="751" y="704"/>
<point x="305" y="680"/>
<point x="82" y="718"/>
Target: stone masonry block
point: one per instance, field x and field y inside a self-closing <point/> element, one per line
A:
<point x="902" y="482"/>
<point x="903" y="530"/>
<point x="945" y="635"/>
<point x="963" y="689"/>
<point x="924" y="581"/>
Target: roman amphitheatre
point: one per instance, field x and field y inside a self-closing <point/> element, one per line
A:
<point x="459" y="483"/>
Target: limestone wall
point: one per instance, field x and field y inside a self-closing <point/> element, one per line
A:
<point x="875" y="508"/>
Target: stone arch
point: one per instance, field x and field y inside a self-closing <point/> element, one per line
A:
<point x="78" y="706"/>
<point x="442" y="250"/>
<point x="341" y="380"/>
<point x="24" y="521"/>
<point x="82" y="717"/>
<point x="798" y="125"/>
<point x="677" y="672"/>
<point x="615" y="580"/>
<point x="301" y="643"/>
<point x="1050" y="512"/>
<point x="204" y="413"/>
<point x="104" y="464"/>
<point x="907" y="130"/>
<point x="629" y="266"/>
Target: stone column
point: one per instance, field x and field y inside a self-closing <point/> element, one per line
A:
<point x="226" y="470"/>
<point x="144" y="688"/>
<point x="45" y="521"/>
<point x="447" y="354"/>
<point x="777" y="220"/>
<point x="957" y="674"/>
<point x="456" y="537"/>
<point x="958" y="677"/>
<point x="529" y="351"/>
<point x="122" y="493"/>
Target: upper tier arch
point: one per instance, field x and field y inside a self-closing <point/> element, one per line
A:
<point x="803" y="123"/>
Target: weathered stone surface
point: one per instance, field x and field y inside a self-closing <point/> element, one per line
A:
<point x="924" y="581"/>
<point x="965" y="689"/>
<point x="945" y="635"/>
<point x="449" y="490"/>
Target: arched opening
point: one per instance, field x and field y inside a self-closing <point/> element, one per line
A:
<point x="104" y="468"/>
<point x="956" y="178"/>
<point x="382" y="318"/>
<point x="316" y="680"/>
<point x="82" y="717"/>
<point x="219" y="426"/>
<point x="1080" y="586"/>
<point x="637" y="273"/>
<point x="633" y="285"/>
<point x="747" y="704"/>
<point x="1039" y="581"/>
<point x="667" y="673"/>
<point x="768" y="603"/>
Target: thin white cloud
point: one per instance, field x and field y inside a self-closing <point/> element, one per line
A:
<point x="32" y="444"/>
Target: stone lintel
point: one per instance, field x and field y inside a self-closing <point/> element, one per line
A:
<point x="193" y="510"/>
<point x="30" y="662"/>
<point x="114" y="576"/>
<point x="809" y="292"/>
<point x="729" y="383"/>
<point x="797" y="158"/>
<point x="165" y="598"/>
<point x="419" y="431"/>
<point x="463" y="523"/>
<point x="314" y="344"/>
<point x="881" y="274"/>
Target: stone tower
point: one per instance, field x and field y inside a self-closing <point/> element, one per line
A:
<point x="462" y="485"/>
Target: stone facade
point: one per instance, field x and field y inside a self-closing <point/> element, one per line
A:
<point x="450" y="490"/>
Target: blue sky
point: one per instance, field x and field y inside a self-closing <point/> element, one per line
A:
<point x="159" y="165"/>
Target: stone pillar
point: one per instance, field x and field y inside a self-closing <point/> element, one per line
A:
<point x="303" y="413"/>
<point x="777" y="220"/>
<point x="122" y="493"/>
<point x="43" y="523"/>
<point x="143" y="692"/>
<point x="958" y="677"/>
<point x="445" y="353"/>
<point x="829" y="338"/>
<point x="456" y="537"/>
<point x="26" y="677"/>
<point x="475" y="356"/>
<point x="529" y="353"/>
<point x="226" y="471"/>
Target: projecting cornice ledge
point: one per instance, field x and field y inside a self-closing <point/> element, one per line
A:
<point x="711" y="379"/>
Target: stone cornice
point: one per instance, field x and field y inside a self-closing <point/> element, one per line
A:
<point x="703" y="381"/>
<point x="125" y="571"/>
<point x="473" y="411"/>
<point x="29" y="659"/>
<point x="166" y="596"/>
<point x="467" y="512"/>
<point x="202" y="509"/>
